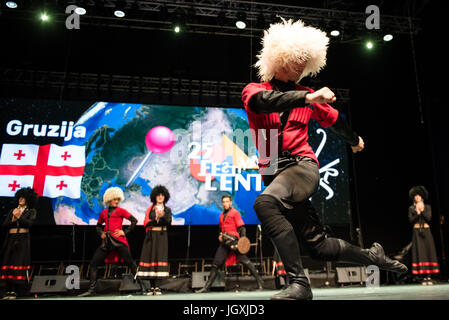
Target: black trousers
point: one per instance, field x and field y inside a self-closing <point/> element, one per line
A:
<point x="222" y="253"/>
<point x="284" y="206"/>
<point x="102" y="252"/>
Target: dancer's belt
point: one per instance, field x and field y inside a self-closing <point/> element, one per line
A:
<point x="158" y="229"/>
<point x="20" y="230"/>
<point x="417" y="226"/>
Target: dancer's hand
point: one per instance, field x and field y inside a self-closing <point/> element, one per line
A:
<point x="358" y="147"/>
<point x="103" y="235"/>
<point x="17" y="213"/>
<point x="324" y="95"/>
<point x="118" y="233"/>
<point x="419" y="207"/>
<point x="220" y="238"/>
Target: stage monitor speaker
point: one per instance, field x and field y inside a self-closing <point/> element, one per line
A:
<point x="49" y="284"/>
<point x="199" y="279"/>
<point x="128" y="284"/>
<point x="351" y="274"/>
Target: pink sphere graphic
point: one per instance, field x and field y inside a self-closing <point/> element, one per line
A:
<point x="160" y="139"/>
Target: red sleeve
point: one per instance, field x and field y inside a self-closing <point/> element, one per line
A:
<point x="124" y="213"/>
<point x="250" y="90"/>
<point x="101" y="217"/>
<point x="324" y="114"/>
<point x="147" y="216"/>
<point x="238" y="220"/>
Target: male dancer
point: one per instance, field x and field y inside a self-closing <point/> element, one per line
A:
<point x="280" y="109"/>
<point x="113" y="237"/>
<point x="230" y="222"/>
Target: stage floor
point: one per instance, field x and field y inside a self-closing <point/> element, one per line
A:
<point x="397" y="292"/>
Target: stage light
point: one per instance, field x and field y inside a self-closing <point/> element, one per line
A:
<point x="388" y="37"/>
<point x="120" y="6"/>
<point x="240" y="24"/>
<point x="119" y="13"/>
<point x="178" y="20"/>
<point x="11" y="4"/>
<point x="335" y="28"/>
<point x="241" y="18"/>
<point x="335" y="33"/>
<point x="80" y="11"/>
<point x="44" y="17"/>
<point x="369" y="45"/>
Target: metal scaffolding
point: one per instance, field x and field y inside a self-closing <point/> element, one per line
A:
<point x="218" y="17"/>
<point x="130" y="88"/>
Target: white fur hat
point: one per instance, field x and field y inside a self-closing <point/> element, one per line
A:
<point x="290" y="42"/>
<point x="113" y="193"/>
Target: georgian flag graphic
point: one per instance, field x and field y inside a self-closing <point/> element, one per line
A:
<point x="51" y="170"/>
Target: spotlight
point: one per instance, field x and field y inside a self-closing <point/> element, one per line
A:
<point x="44" y="17"/>
<point x="80" y="11"/>
<point x="241" y="18"/>
<point x="369" y="45"/>
<point x="335" y="33"/>
<point x="240" y="24"/>
<point x="119" y="13"/>
<point x="334" y="27"/>
<point x="11" y="4"/>
<point x="388" y="37"/>
<point x="179" y="20"/>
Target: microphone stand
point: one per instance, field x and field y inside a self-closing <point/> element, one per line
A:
<point x="186" y="272"/>
<point x="328" y="263"/>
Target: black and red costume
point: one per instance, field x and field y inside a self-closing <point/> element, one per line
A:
<point x="424" y="255"/>
<point x="153" y="264"/>
<point x="15" y="253"/>
<point x="112" y="218"/>
<point x="230" y="223"/>
<point x="291" y="177"/>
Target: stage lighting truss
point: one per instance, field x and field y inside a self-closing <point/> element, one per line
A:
<point x="148" y="89"/>
<point x="219" y="17"/>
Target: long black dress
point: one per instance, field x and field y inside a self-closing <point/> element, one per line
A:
<point x="154" y="257"/>
<point x="424" y="257"/>
<point x="15" y="254"/>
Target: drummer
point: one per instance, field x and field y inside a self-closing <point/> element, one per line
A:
<point x="232" y="228"/>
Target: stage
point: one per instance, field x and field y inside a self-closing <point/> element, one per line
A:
<point x="394" y="292"/>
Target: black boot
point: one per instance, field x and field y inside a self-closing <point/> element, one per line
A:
<point x="93" y="282"/>
<point x="255" y="274"/>
<point x="374" y="255"/>
<point x="212" y="276"/>
<point x="299" y="287"/>
<point x="91" y="291"/>
<point x="143" y="290"/>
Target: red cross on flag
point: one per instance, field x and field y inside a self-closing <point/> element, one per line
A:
<point x="51" y="170"/>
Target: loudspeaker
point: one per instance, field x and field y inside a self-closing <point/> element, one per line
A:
<point x="128" y="284"/>
<point x="199" y="279"/>
<point x="351" y="274"/>
<point x="49" y="284"/>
